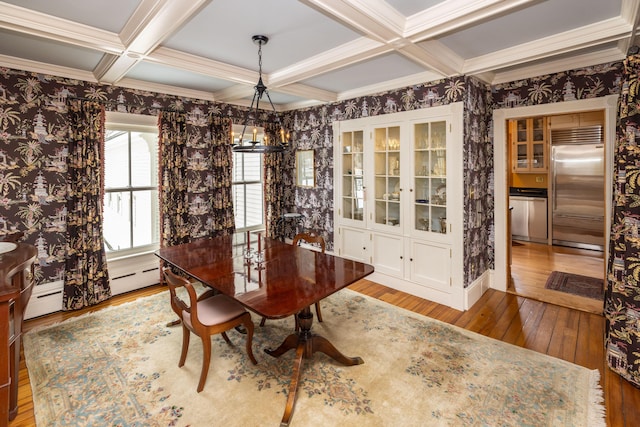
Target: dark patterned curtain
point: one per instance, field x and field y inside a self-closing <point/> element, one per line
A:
<point x="622" y="297"/>
<point x="86" y="280"/>
<point x="196" y="166"/>
<point x="222" y="172"/>
<point x="273" y="188"/>
<point x="174" y="211"/>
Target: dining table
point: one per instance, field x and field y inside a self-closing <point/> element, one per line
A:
<point x="275" y="280"/>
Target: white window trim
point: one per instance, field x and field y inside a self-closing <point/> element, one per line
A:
<point x="133" y="123"/>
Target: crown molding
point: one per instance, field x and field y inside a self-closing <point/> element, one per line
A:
<point x="166" y="89"/>
<point x="580" y="61"/>
<point x="46" y="69"/>
<point x="306" y="91"/>
<point x="414" y="79"/>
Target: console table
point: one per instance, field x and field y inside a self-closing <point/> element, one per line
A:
<point x="16" y="284"/>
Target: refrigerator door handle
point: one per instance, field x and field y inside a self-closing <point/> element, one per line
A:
<point x="590" y="217"/>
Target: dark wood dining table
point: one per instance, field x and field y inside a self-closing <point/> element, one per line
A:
<point x="275" y="280"/>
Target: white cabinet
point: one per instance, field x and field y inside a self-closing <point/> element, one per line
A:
<point x="399" y="197"/>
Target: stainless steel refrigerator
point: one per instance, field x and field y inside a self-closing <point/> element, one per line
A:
<point x="577" y="170"/>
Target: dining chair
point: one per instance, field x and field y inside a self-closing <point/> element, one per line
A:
<point x="205" y="317"/>
<point x="313" y="239"/>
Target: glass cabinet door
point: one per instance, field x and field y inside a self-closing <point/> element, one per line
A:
<point x="386" y="154"/>
<point x="430" y="176"/>
<point x="538" y="144"/>
<point x="352" y="175"/>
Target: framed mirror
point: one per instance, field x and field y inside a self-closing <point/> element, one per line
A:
<point x="305" y="172"/>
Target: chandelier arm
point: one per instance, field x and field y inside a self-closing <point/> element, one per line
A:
<point x="247" y="114"/>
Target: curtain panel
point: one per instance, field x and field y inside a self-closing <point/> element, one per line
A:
<point x="172" y="167"/>
<point x="273" y="188"/>
<point x="86" y="280"/>
<point x="622" y="296"/>
<point x="195" y="167"/>
<point x="222" y="173"/>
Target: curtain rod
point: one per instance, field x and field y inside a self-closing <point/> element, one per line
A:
<point x="172" y="110"/>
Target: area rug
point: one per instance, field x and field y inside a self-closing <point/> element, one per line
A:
<point x="119" y="367"/>
<point x="576" y="284"/>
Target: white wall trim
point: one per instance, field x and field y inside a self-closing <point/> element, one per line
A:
<point x="501" y="165"/>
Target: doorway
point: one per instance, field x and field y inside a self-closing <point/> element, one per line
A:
<point x="530" y="263"/>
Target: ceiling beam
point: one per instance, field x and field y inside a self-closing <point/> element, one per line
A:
<point x="347" y="54"/>
<point x="610" y="30"/>
<point x="152" y="22"/>
<point x="207" y="67"/>
<point x="373" y="18"/>
<point x="448" y="16"/>
<point x="37" y="24"/>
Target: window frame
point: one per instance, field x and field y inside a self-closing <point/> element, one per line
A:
<point x="237" y="131"/>
<point x="128" y="122"/>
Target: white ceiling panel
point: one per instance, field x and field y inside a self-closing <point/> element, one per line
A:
<point x="161" y="74"/>
<point x="110" y="15"/>
<point x="46" y="51"/>
<point x="295" y="32"/>
<point x="530" y="23"/>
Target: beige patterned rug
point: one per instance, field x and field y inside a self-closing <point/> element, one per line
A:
<point x="119" y="367"/>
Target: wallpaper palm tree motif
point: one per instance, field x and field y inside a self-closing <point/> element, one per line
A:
<point x="33" y="147"/>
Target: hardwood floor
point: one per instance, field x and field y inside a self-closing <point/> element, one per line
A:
<point x="573" y="335"/>
<point x="531" y="264"/>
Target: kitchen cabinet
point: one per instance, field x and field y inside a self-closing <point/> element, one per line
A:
<point x="575" y="120"/>
<point x="529" y="145"/>
<point x="399" y="199"/>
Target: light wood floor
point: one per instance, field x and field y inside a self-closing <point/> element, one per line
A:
<point x="572" y="335"/>
<point x="531" y="264"/>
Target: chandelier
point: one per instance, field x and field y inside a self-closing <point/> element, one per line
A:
<point x="255" y="146"/>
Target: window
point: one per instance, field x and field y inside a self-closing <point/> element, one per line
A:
<point x="131" y="215"/>
<point x="248" y="205"/>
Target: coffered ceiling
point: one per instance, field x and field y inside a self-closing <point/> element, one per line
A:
<point x="318" y="51"/>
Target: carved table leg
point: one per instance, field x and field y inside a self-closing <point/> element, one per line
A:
<point x="306" y="344"/>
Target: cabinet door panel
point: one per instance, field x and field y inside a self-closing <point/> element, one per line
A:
<point x="430" y="264"/>
<point x="387" y="254"/>
<point x="354" y="244"/>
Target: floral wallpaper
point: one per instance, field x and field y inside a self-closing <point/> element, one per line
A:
<point x="33" y="151"/>
<point x="583" y="83"/>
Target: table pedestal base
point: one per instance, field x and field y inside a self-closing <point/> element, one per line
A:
<point x="306" y="344"/>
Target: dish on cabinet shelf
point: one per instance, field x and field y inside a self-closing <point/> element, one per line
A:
<point x="392" y="221"/>
<point x="422" y="201"/>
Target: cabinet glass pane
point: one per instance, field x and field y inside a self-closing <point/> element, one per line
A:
<point x="538" y="129"/>
<point x="386" y="158"/>
<point x="521" y="130"/>
<point x="522" y="159"/>
<point x="537" y="162"/>
<point x="430" y="182"/>
<point x="352" y="175"/>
